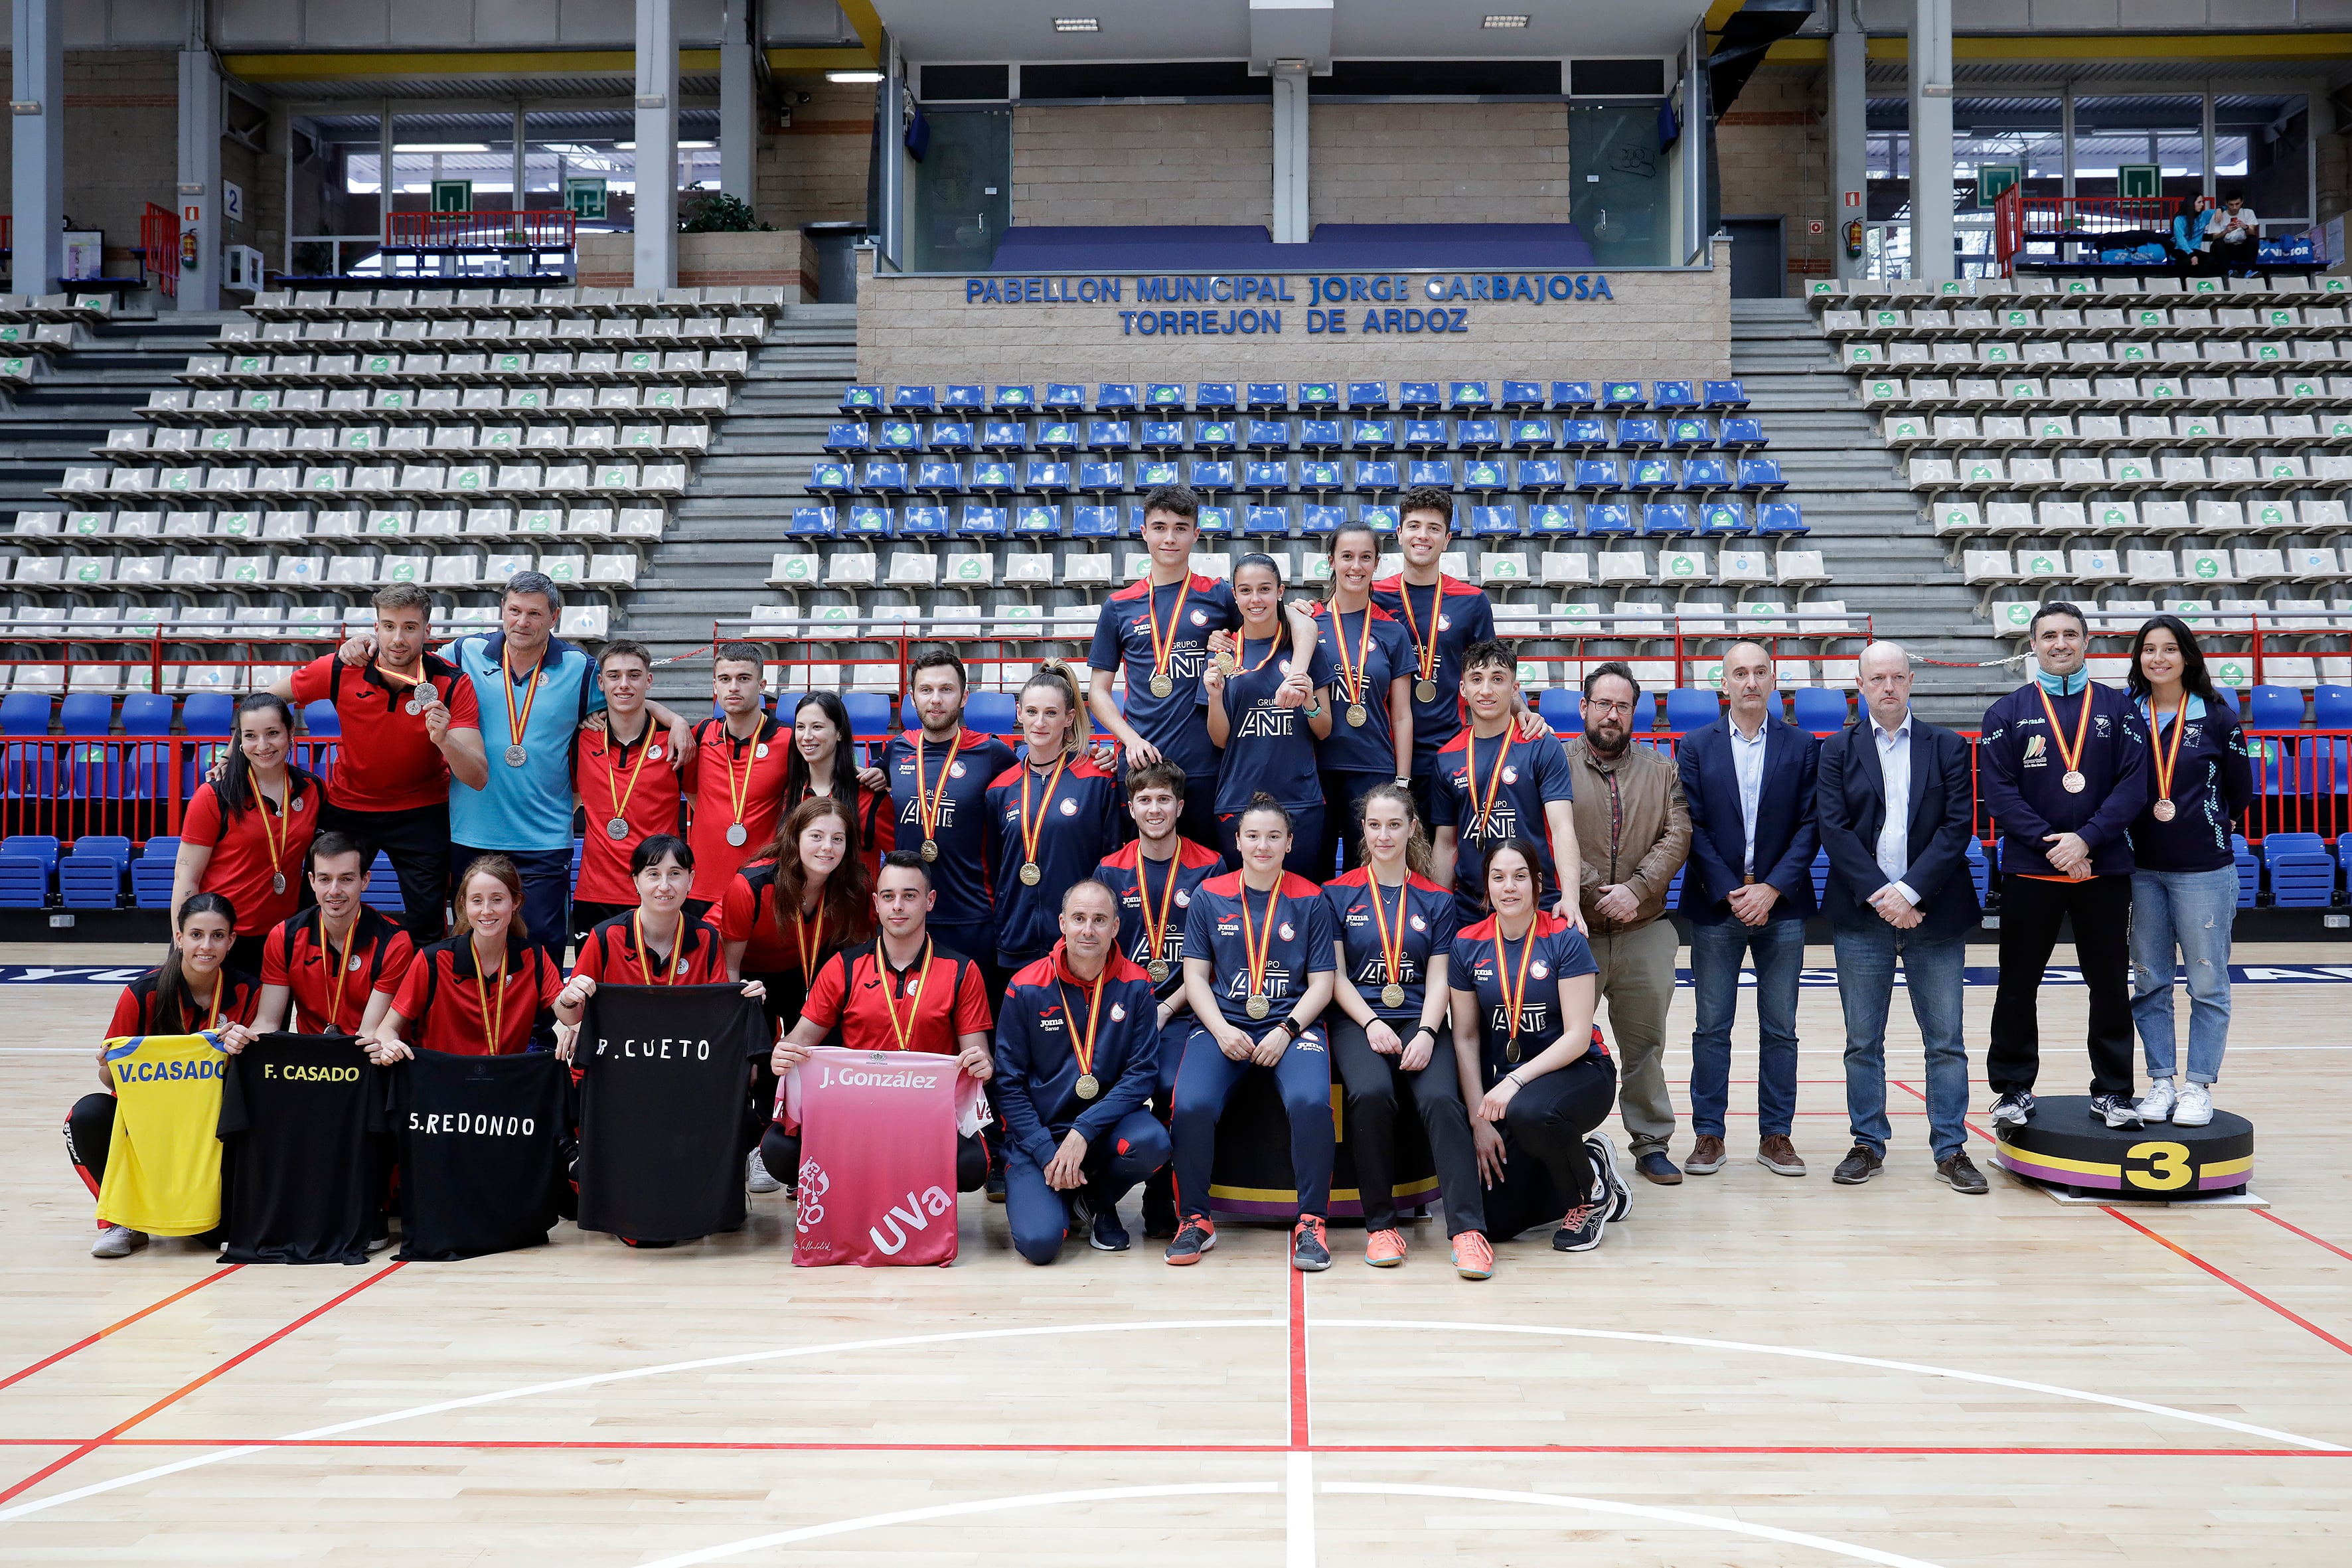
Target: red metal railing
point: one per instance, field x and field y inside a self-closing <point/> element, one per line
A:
<point x="131" y="786"/>
<point x="7" y="231"/>
<point x="480" y="231"/>
<point x="2018" y="217"/>
<point x="159" y="248"/>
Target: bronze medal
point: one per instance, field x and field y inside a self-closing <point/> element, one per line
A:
<point x="1392" y="996"/>
<point x="2072" y="783"/>
<point x="1258" y="1007"/>
<point x="618" y="828"/>
<point x="1425" y="691"/>
<point x="1157" y="970"/>
<point x="1357" y="714"/>
<point x="2163" y="810"/>
<point x="930" y="848"/>
<point x="1511" y="1050"/>
<point x="1032" y="873"/>
<point x="1162" y="685"/>
<point x="1087" y="1087"/>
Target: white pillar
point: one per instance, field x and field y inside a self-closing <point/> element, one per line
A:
<point x="200" y="177"/>
<point x="521" y="158"/>
<point x="2066" y="139"/>
<point x="36" y="37"/>
<point x="739" y="101"/>
<point x="1290" y="213"/>
<point x="656" y="128"/>
<point x="892" y="108"/>
<point x="1931" y="139"/>
<point x="1849" y="134"/>
<point x="1697" y="114"/>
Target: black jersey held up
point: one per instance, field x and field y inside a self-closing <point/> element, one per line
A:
<point x="302" y="1117"/>
<point x="484" y="1150"/>
<point x="666" y="1072"/>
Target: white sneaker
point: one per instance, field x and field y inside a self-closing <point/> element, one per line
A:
<point x="2157" y="1104"/>
<point x="755" y="1175"/>
<point x="118" y="1241"/>
<point x="2196" y="1107"/>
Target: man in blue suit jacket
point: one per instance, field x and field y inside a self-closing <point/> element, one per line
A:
<point x="1896" y="813"/>
<point x="1746" y="889"/>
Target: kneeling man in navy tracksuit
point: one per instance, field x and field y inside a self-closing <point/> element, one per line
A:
<point x="1077" y="1046"/>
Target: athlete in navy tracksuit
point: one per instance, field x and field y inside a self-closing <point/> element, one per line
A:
<point x="944" y="802"/>
<point x="1072" y="822"/>
<point x="1076" y="1060"/>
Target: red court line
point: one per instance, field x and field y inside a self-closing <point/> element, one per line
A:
<point x="2265" y="1212"/>
<point x="83" y="1344"/>
<point x="91" y="1447"/>
<point x="2236" y="1285"/>
<point x="1301" y="1433"/>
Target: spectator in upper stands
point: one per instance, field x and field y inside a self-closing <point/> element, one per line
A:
<point x="2184" y="874"/>
<point x="822" y="761"/>
<point x="410" y="723"/>
<point x="621" y="772"/>
<point x="1897" y="808"/>
<point x="1747" y="779"/>
<point x="537" y="687"/>
<point x="2233" y="235"/>
<point x="245" y="833"/>
<point x="1633" y="834"/>
<point x="2186" y="238"/>
<point x="1156" y="630"/>
<point x="2063" y="766"/>
<point x="940" y="772"/>
<point x="1443" y="616"/>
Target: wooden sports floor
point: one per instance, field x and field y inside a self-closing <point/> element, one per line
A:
<point x="1751" y="1370"/>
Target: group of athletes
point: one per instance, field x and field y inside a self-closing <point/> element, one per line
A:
<point x="1114" y="933"/>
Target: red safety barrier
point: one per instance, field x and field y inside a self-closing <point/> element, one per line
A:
<point x="133" y="787"/>
<point x="482" y="231"/>
<point x="7" y="232"/>
<point x="2018" y="218"/>
<point x="159" y="248"/>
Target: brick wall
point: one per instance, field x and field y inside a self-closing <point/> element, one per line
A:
<point x="1143" y="163"/>
<point x="1772" y="150"/>
<point x="122" y="140"/>
<point x="814" y="171"/>
<point x="1437" y="163"/>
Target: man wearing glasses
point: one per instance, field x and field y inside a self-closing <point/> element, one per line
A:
<point x="1633" y="832"/>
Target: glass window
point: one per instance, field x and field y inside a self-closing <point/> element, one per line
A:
<point x="2261" y="149"/>
<point x="959" y="195"/>
<point x="2169" y="131"/>
<point x="1621" y="182"/>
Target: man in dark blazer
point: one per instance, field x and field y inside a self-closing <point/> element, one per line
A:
<point x="1747" y="886"/>
<point x="1896" y="812"/>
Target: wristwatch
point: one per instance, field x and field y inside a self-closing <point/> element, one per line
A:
<point x="1294" y="1026"/>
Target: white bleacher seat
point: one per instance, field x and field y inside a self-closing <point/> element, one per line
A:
<point x="1502" y="566"/>
<point x="2202" y="565"/>
<point x="1678" y="566"/>
<point x="414" y="568"/>
<point x="2290" y="669"/>
<point x="1743" y="567"/>
<point x="2009" y="517"/>
<point x="2151" y="568"/>
<point x="1028" y="568"/>
<point x="587" y="622"/>
<point x="2313" y="564"/>
<point x="1093" y="567"/>
<point x="2259" y="566"/>
<point x="351" y="571"/>
<point x="456" y="572"/>
<point x="1565" y="568"/>
<point x="1953" y="518"/>
<point x="1931" y="473"/>
<point x="2113" y="516"/>
<point x="2164" y="517"/>
<point x="850" y="568"/>
<point x="1796" y="567"/>
<point x="1986" y="566"/>
<point x="641" y="522"/>
<point x="1622" y="566"/>
<point x="1823" y="616"/>
<point x="2094" y="566"/>
<point x="970" y="569"/>
<point x="2221" y="517"/>
<point x="2041" y="568"/>
<point x="499" y="565"/>
<point x="2061" y="517"/>
<point x="2267" y="515"/>
<point x="564" y="569"/>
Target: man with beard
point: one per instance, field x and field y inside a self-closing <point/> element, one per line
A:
<point x="1633" y="833"/>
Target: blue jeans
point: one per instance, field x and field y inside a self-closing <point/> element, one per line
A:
<point x="2190" y="912"/>
<point x="1779" y="949"/>
<point x="1935" y="969"/>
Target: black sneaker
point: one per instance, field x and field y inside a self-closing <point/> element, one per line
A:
<point x="2012" y="1110"/>
<point x="1580" y="1230"/>
<point x="1104" y="1233"/>
<point x="996" y="1184"/>
<point x="1607" y="1177"/>
<point x="1960" y="1174"/>
<point x="2116" y="1109"/>
<point x="1310" y="1249"/>
<point x="1159" y="1204"/>
<point x="1860" y="1162"/>
<point x="1196" y="1236"/>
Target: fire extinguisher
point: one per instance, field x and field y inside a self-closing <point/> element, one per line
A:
<point x="187" y="250"/>
<point x="1853" y="239"/>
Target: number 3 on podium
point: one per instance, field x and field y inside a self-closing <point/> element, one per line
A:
<point x="2168" y="1166"/>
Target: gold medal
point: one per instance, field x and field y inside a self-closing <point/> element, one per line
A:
<point x="1224" y="663"/>
<point x="1357" y="714"/>
<point x="1424" y="647"/>
<point x="1258" y="1007"/>
<point x="911" y="991"/>
<point x="930" y="804"/>
<point x="1082" y="1046"/>
<point x="1353" y="673"/>
<point x="1425" y="691"/>
<point x="1031" y="828"/>
<point x="1392" y="995"/>
<point x="931" y="849"/>
<point x="1515" y="995"/>
<point x="1155" y="919"/>
<point x="1256" y="945"/>
<point x="1087" y="1087"/>
<point x="1391" y="938"/>
<point x="1157" y="970"/>
<point x="1032" y="873"/>
<point x="1162" y="685"/>
<point x="1163" y="648"/>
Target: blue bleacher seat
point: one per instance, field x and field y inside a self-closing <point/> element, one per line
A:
<point x="1723" y="518"/>
<point x="1560" y="705"/>
<point x="1371" y="436"/>
<point x="937" y="477"/>
<point x="2331" y="707"/>
<point x="1435" y="472"/>
<point x="320" y="718"/>
<point x="1214" y="397"/>
<point x="1109" y="436"/>
<point x="1266" y="397"/>
<point x="85" y="713"/>
<point x="869" y="714"/>
<point x="1213" y="476"/>
<point x="819" y="521"/>
<point x="992" y="712"/>
<point x="1650" y="474"/>
<point x="2301" y="878"/>
<point x="1318" y="396"/>
<point x="1117" y="397"/>
<point x="1102" y="478"/>
<point x="1538" y="476"/>
<point x="206" y="713"/>
<point x="1639" y="433"/>
<point x="1706" y="473"/>
<point x="1723" y="394"/>
<point x="1417" y="396"/>
<point x="24" y="882"/>
<point x="1320" y="518"/>
<point x="1264" y="477"/>
<point x="866" y="520"/>
<point x="1495" y="522"/>
<point x="1572" y="397"/>
<point x="1468" y="397"/>
<point x="977" y="521"/>
<point x="1673" y="396"/>
<point x="1820" y="876"/>
<point x="1038" y="518"/>
<point x="1484" y="475"/>
<point x="1057" y="439"/>
<point x="383" y="893"/>
<point x="150" y="881"/>
<point x="883" y="478"/>
<point x="914" y="399"/>
<point x="1608" y="519"/>
<point x="1094" y="522"/>
<point x="1620" y="394"/>
<point x="1688" y="434"/>
<point x="828" y="479"/>
<point x="1319" y="436"/>
<point x="846" y="440"/>
<point x="1046" y="477"/>
<point x="1690" y="708"/>
<point x="1666" y="520"/>
<point x="2277" y="707"/>
<point x="1479" y="436"/>
<point x="2249" y="869"/>
<point x="1266" y="436"/>
<point x="1265" y="519"/>
<point x="1155" y="471"/>
<point x="1063" y="397"/>
<point x="896" y="437"/>
<point x="1213" y="436"/>
<point x="1005" y="438"/>
<point x="1217" y="519"/>
<point x="1595" y="476"/>
<point x="1368" y="396"/>
<point x="923" y="522"/>
<point x="964" y="398"/>
<point x="1743" y="435"/>
<point x="1163" y="394"/>
<point x="90" y="881"/>
<point x="1161" y="436"/>
<point x="950" y="437"/>
<point x="992" y="476"/>
<point x="1425" y="436"/>
<point x="1820" y="709"/>
<point x="1319" y="476"/>
<point x="1583" y="435"/>
<point x="25" y="714"/>
<point x="1532" y="436"/>
<point x="1556" y="518"/>
<point x="1760" y="474"/>
<point x="860" y="399"/>
<point x="1784" y="518"/>
<point x="1379" y="519"/>
<point x="1980" y="869"/>
<point x="1013" y="399"/>
<point x="146" y="713"/>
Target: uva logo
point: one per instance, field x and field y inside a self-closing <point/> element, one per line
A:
<point x="1117" y="1013"/>
<point x="1183" y="898"/>
<point x="811" y="1189"/>
<point x="955" y="771"/>
<point x="918" y="1216"/>
<point x="1200" y="617"/>
<point x="1419" y="924"/>
<point x="1069" y="809"/>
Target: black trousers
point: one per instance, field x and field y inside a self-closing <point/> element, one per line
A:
<point x="417" y="842"/>
<point x="2030" y="909"/>
<point x="2235" y="255"/>
<point x="587" y="916"/>
<point x="90" y="1129"/>
<point x="245" y="954"/>
<point x="1546" y="1171"/>
<point x="1343" y="793"/>
<point x="1372" y="1090"/>
<point x="787" y="989"/>
<point x="781" y="1152"/>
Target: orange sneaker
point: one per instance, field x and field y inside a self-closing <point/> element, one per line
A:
<point x="1474" y="1257"/>
<point x="1196" y="1236"/>
<point x="1310" y="1250"/>
<point x="1384" y="1248"/>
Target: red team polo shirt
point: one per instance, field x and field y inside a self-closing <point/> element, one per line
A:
<point x="399" y="768"/>
<point x="442" y="1001"/>
<point x="747" y="915"/>
<point x="640" y="777"/>
<point x="759" y="766"/>
<point x="240" y="867"/>
<point x="848" y="995"/>
<point x="294" y="956"/>
<point x="134" y="1010"/>
<point x="609" y="956"/>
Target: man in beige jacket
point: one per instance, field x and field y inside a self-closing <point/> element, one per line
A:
<point x="1633" y="830"/>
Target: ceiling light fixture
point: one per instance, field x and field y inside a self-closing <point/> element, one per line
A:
<point x="853" y="78"/>
<point x="1505" y="21"/>
<point x="1077" y="25"/>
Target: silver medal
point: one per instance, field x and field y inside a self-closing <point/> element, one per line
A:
<point x="616" y="829"/>
<point x="517" y="756"/>
<point x="736" y="833"/>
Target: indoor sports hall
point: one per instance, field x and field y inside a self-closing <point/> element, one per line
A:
<point x="1811" y="373"/>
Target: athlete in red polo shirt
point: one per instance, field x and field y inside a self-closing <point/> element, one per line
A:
<point x="411" y="720"/>
<point x="899" y="992"/>
<point x="736" y="783"/>
<point x="627" y="784"/>
<point x="338" y="963"/>
<point x="487" y="991"/>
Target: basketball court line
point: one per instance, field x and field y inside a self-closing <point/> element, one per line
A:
<point x="2303" y="1233"/>
<point x="1302" y="1422"/>
<point x="83" y="1344"/>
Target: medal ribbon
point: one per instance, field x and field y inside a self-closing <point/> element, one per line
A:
<point x="1424" y="648"/>
<point x="516" y="727"/>
<point x="1256" y="950"/>
<point x="1084" y="1050"/>
<point x="1351" y="676"/>
<point x="738" y="792"/>
<point x="2167" y="764"/>
<point x="1514" y="995"/>
<point x="1155" y="929"/>
<point x="930" y="803"/>
<point x="276" y="839"/>
<point x="1029" y="829"/>
<point x="212" y="1013"/>
<point x="2072" y="757"/>
<point x="676" y="952"/>
<point x="1484" y="816"/>
<point x="1273" y="647"/>
<point x="1164" y="648"/>
<point x="809" y="950"/>
<point x="493" y="1026"/>
<point x="620" y="798"/>
<point x="1391" y="945"/>
<point x="410" y="681"/>
<point x="904" y="1034"/>
<point x="342" y="968"/>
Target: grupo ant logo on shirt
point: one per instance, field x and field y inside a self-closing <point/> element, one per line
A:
<point x="1277" y="982"/>
<point x="1531" y="1017"/>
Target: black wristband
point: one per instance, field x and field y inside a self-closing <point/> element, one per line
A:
<point x="1294" y="1026"/>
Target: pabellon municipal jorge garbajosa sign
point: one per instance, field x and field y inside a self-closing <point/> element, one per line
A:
<point x="1338" y="304"/>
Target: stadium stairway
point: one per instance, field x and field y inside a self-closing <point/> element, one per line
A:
<point x="1863" y="519"/>
<point x="712" y="562"/>
<point x="90" y="390"/>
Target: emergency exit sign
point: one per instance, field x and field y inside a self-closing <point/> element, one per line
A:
<point x="2140" y="180"/>
<point x="1995" y="181"/>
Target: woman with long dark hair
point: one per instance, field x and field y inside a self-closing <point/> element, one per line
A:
<point x="2184" y="873"/>
<point x="1373" y="660"/>
<point x="488" y="990"/>
<point x="246" y="833"/>
<point x="1267" y="717"/>
<point x="1052" y="818"/>
<point x="824" y="763"/>
<point x="194" y="990"/>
